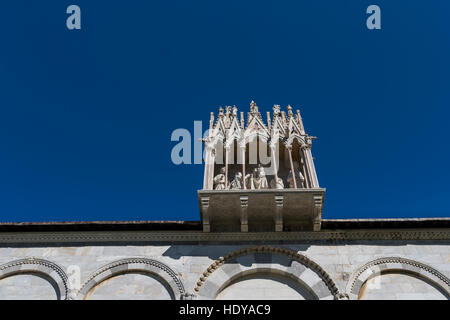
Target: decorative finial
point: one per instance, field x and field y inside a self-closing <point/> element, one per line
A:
<point x="228" y="110"/>
<point x="289" y="108"/>
<point x="211" y="123"/>
<point x="276" y="110"/>
<point x="235" y="111"/>
<point x="253" y="107"/>
<point x="220" y="112"/>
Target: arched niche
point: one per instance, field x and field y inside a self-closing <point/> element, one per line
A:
<point x="146" y="271"/>
<point x="269" y="263"/>
<point x="131" y="285"/>
<point x="265" y="284"/>
<point x="33" y="278"/>
<point x="400" y="285"/>
<point x="398" y="278"/>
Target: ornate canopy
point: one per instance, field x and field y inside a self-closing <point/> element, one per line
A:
<point x="267" y="163"/>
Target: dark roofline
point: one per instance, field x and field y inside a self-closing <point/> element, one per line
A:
<point x="327" y="224"/>
<point x="100" y="226"/>
<point x="398" y="223"/>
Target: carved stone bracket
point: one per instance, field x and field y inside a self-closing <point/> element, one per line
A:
<point x="269" y="210"/>
<point x="244" y="215"/>
<point x="318" y="202"/>
<point x="205" y="217"/>
<point x="279" y="213"/>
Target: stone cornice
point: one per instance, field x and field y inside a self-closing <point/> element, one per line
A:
<point x="198" y="236"/>
<point x="153" y="226"/>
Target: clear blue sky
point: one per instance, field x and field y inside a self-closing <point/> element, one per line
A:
<point x="86" y="116"/>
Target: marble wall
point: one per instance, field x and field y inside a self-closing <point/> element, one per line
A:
<point x="297" y="270"/>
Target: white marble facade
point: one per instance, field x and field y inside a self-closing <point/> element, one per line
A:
<point x="380" y="269"/>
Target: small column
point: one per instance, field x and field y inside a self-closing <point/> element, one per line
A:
<point x="311" y="168"/>
<point x="300" y="122"/>
<point x="305" y="169"/>
<point x="274" y="160"/>
<point x="209" y="159"/>
<point x="279" y="213"/>
<point x="292" y="167"/>
<point x="206" y="170"/>
<point x="243" y="167"/>
<point x="244" y="215"/>
<point x="209" y="168"/>
<point x="227" y="150"/>
<point x="204" y="202"/>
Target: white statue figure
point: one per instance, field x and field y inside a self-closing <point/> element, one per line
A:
<point x="257" y="180"/>
<point x="253" y="107"/>
<point x="263" y="180"/>
<point x="276" y="110"/>
<point x="219" y="180"/>
<point x="237" y="181"/>
<point x="227" y="120"/>
<point x="298" y="175"/>
<point x="278" y="185"/>
<point x="235" y="111"/>
<point x="249" y="181"/>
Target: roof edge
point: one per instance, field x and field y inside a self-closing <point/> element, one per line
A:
<point x="167" y="225"/>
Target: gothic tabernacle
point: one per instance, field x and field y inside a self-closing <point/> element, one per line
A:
<point x="260" y="172"/>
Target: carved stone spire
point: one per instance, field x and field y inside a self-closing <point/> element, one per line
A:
<point x="289" y="108"/>
<point x="276" y="110"/>
<point x="227" y="119"/>
<point x="253" y="107"/>
<point x="283" y="118"/>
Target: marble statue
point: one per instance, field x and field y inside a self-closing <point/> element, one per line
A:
<point x="277" y="185"/>
<point x="257" y="180"/>
<point x="237" y="181"/>
<point x="263" y="184"/>
<point x="219" y="180"/>
<point x="276" y="110"/>
<point x="298" y="177"/>
<point x="235" y="111"/>
<point x="253" y="107"/>
<point x="249" y="181"/>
